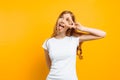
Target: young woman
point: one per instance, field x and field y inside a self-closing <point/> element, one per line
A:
<point x="61" y="48"/>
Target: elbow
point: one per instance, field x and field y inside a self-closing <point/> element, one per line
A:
<point x="103" y="35"/>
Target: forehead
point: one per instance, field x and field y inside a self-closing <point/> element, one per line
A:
<point x="60" y="20"/>
<point x="66" y="15"/>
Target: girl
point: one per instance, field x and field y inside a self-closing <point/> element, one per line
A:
<point x="61" y="48"/>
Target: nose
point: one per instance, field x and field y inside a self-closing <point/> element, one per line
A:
<point x="62" y="20"/>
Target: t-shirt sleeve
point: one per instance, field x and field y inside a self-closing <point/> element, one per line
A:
<point x="45" y="44"/>
<point x="76" y="40"/>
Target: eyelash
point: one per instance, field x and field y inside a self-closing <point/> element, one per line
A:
<point x="67" y="19"/>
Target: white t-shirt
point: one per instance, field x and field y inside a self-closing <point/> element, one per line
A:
<point x="62" y="53"/>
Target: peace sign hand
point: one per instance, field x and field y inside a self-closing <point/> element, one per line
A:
<point x="69" y="23"/>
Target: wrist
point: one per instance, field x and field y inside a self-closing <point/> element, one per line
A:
<point x="82" y="28"/>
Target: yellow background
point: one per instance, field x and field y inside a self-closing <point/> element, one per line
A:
<point x="25" y="24"/>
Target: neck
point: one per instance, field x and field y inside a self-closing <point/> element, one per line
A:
<point x="60" y="35"/>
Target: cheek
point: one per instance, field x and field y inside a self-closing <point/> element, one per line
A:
<point x="66" y="28"/>
<point x="56" y="28"/>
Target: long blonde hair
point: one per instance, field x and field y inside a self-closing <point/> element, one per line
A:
<point x="70" y="32"/>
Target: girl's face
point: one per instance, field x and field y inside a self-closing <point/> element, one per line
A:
<point x="63" y="21"/>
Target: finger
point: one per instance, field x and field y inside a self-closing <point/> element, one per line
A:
<point x="71" y="21"/>
<point x="66" y="23"/>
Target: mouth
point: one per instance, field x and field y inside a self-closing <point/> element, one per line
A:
<point x="60" y="25"/>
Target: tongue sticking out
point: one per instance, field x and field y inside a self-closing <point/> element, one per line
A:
<point x="60" y="26"/>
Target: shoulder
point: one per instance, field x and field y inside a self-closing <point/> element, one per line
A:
<point x="74" y="37"/>
<point x="48" y="40"/>
<point x="46" y="43"/>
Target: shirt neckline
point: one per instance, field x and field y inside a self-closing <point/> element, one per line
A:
<point x="59" y="38"/>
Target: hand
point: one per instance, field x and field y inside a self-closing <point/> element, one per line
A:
<point x="79" y="26"/>
<point x="69" y="23"/>
<point x="72" y="25"/>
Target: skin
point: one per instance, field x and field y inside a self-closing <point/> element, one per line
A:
<point x="66" y="22"/>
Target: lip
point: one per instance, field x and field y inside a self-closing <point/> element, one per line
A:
<point x="61" y="25"/>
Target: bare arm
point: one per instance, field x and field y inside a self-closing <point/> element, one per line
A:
<point x="93" y="33"/>
<point x="48" y="61"/>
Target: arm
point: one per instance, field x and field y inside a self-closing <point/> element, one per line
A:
<point x="93" y="33"/>
<point x="47" y="58"/>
